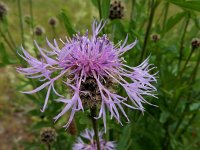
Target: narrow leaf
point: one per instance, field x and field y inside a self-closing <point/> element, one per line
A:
<point x="172" y="21"/>
<point x="67" y="23"/>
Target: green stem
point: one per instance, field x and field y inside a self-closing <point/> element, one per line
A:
<point x="11" y="38"/>
<point x="182" y="117"/>
<point x="165" y="18"/>
<point x="148" y="29"/>
<point x="54" y="32"/>
<point x="31" y="14"/>
<point x="192" y="79"/>
<point x="188" y="124"/>
<point x="185" y="65"/>
<point x="99" y="6"/>
<point x="132" y="9"/>
<point x="6" y="40"/>
<point x="131" y="14"/>
<point x="95" y="126"/>
<point x="21" y="21"/>
<point x="49" y="146"/>
<point x="194" y="72"/>
<point x="166" y="141"/>
<point x="182" y="40"/>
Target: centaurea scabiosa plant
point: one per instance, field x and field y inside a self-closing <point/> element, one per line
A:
<point x="90" y="65"/>
<point x="90" y="143"/>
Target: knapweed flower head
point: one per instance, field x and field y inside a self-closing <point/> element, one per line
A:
<point x="88" y="136"/>
<point x="89" y="65"/>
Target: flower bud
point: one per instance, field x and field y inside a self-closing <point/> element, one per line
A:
<point x="53" y="21"/>
<point x="47" y="135"/>
<point x="39" y="31"/>
<point x="195" y="43"/>
<point x="155" y="37"/>
<point x="116" y="10"/>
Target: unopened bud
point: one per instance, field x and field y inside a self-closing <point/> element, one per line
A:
<point x="39" y="31"/>
<point x="53" y="21"/>
<point x="47" y="135"/>
<point x="116" y="10"/>
<point x="195" y="43"/>
<point x="155" y="37"/>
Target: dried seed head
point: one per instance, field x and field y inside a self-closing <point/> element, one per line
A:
<point x="39" y="31"/>
<point x="155" y="37"/>
<point x="3" y="11"/>
<point x="53" y="21"/>
<point x="195" y="43"/>
<point x="116" y="10"/>
<point x="47" y="135"/>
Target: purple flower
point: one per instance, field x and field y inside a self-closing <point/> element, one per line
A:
<point x="95" y="59"/>
<point x="91" y="145"/>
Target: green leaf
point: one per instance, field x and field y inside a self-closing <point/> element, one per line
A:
<point x="41" y="124"/>
<point x="95" y="3"/>
<point x="67" y="23"/>
<point x="172" y="21"/>
<point x="164" y="116"/>
<point x="105" y="8"/>
<point x="191" y="4"/>
<point x="124" y="138"/>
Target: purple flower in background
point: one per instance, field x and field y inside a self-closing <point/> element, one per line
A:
<point x="90" y="66"/>
<point x="91" y="145"/>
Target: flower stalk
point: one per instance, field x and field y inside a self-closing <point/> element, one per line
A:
<point x="182" y="40"/>
<point x="152" y="11"/>
<point x="31" y="15"/>
<point x="191" y="80"/>
<point x="95" y="126"/>
<point x="20" y="20"/>
<point x="49" y="146"/>
<point x="99" y="6"/>
<point x="185" y="65"/>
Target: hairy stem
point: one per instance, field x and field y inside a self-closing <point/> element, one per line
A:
<point x="95" y="126"/>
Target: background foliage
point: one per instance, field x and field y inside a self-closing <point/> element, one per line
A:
<point x="174" y="124"/>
